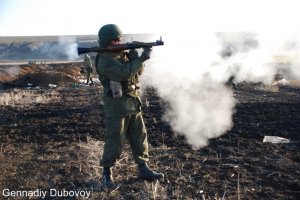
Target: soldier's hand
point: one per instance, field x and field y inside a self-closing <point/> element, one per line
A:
<point x="133" y="54"/>
<point x="146" y="54"/>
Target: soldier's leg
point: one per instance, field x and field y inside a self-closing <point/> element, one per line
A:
<point x="90" y="76"/>
<point x="87" y="77"/>
<point x="137" y="137"/>
<point x="115" y="136"/>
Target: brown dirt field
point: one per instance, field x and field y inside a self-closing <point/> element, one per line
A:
<point x="53" y="138"/>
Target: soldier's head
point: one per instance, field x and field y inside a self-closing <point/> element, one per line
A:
<point x="109" y="34"/>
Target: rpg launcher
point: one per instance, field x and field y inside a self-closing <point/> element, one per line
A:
<point x="120" y="47"/>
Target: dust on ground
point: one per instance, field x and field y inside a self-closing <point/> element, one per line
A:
<point x="53" y="138"/>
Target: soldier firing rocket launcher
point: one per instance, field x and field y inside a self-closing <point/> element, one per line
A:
<point x="120" y="47"/>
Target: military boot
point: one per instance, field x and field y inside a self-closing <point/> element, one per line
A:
<point x="107" y="179"/>
<point x="146" y="174"/>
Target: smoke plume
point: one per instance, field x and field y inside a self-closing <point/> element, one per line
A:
<point x="64" y="48"/>
<point x="190" y="73"/>
<point x="69" y="46"/>
<point x="8" y="73"/>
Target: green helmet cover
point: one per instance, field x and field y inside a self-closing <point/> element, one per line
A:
<point x="107" y="33"/>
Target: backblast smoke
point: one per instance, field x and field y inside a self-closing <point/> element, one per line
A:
<point x="191" y="75"/>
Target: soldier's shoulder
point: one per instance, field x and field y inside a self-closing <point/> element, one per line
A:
<point x="105" y="62"/>
<point x="105" y="58"/>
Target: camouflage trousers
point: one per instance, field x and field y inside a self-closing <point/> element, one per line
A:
<point x="117" y="130"/>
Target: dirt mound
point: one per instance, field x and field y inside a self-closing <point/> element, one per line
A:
<point x="43" y="79"/>
<point x="40" y="75"/>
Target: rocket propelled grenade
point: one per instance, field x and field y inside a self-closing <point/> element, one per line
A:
<point x="120" y="47"/>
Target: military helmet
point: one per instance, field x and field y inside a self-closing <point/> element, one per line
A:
<point x="107" y="33"/>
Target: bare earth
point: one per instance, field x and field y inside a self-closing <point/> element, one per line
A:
<point x="52" y="138"/>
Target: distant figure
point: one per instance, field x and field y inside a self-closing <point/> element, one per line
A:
<point x="89" y="69"/>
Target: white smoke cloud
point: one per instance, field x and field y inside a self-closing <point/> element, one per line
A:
<point x="12" y="71"/>
<point x="64" y="48"/>
<point x="285" y="49"/>
<point x="190" y="74"/>
<point x="200" y="110"/>
<point x="9" y="73"/>
<point x="275" y="52"/>
<point x="200" y="106"/>
<point x="69" y="46"/>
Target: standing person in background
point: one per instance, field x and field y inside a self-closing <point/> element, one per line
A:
<point x="119" y="73"/>
<point x="89" y="68"/>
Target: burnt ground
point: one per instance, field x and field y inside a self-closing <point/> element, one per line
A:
<point x="53" y="138"/>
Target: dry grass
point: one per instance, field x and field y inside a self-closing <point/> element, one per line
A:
<point x="25" y="98"/>
<point x="88" y="155"/>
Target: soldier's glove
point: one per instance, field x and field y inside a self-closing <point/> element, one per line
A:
<point x="133" y="54"/>
<point x="146" y="54"/>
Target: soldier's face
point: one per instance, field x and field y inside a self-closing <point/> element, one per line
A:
<point x="116" y="41"/>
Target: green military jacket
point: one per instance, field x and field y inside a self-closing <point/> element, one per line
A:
<point x="117" y="67"/>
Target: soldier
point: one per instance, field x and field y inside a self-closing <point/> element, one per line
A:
<point x="89" y="68"/>
<point x="119" y="73"/>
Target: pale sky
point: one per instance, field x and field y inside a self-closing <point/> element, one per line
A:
<point x="76" y="17"/>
